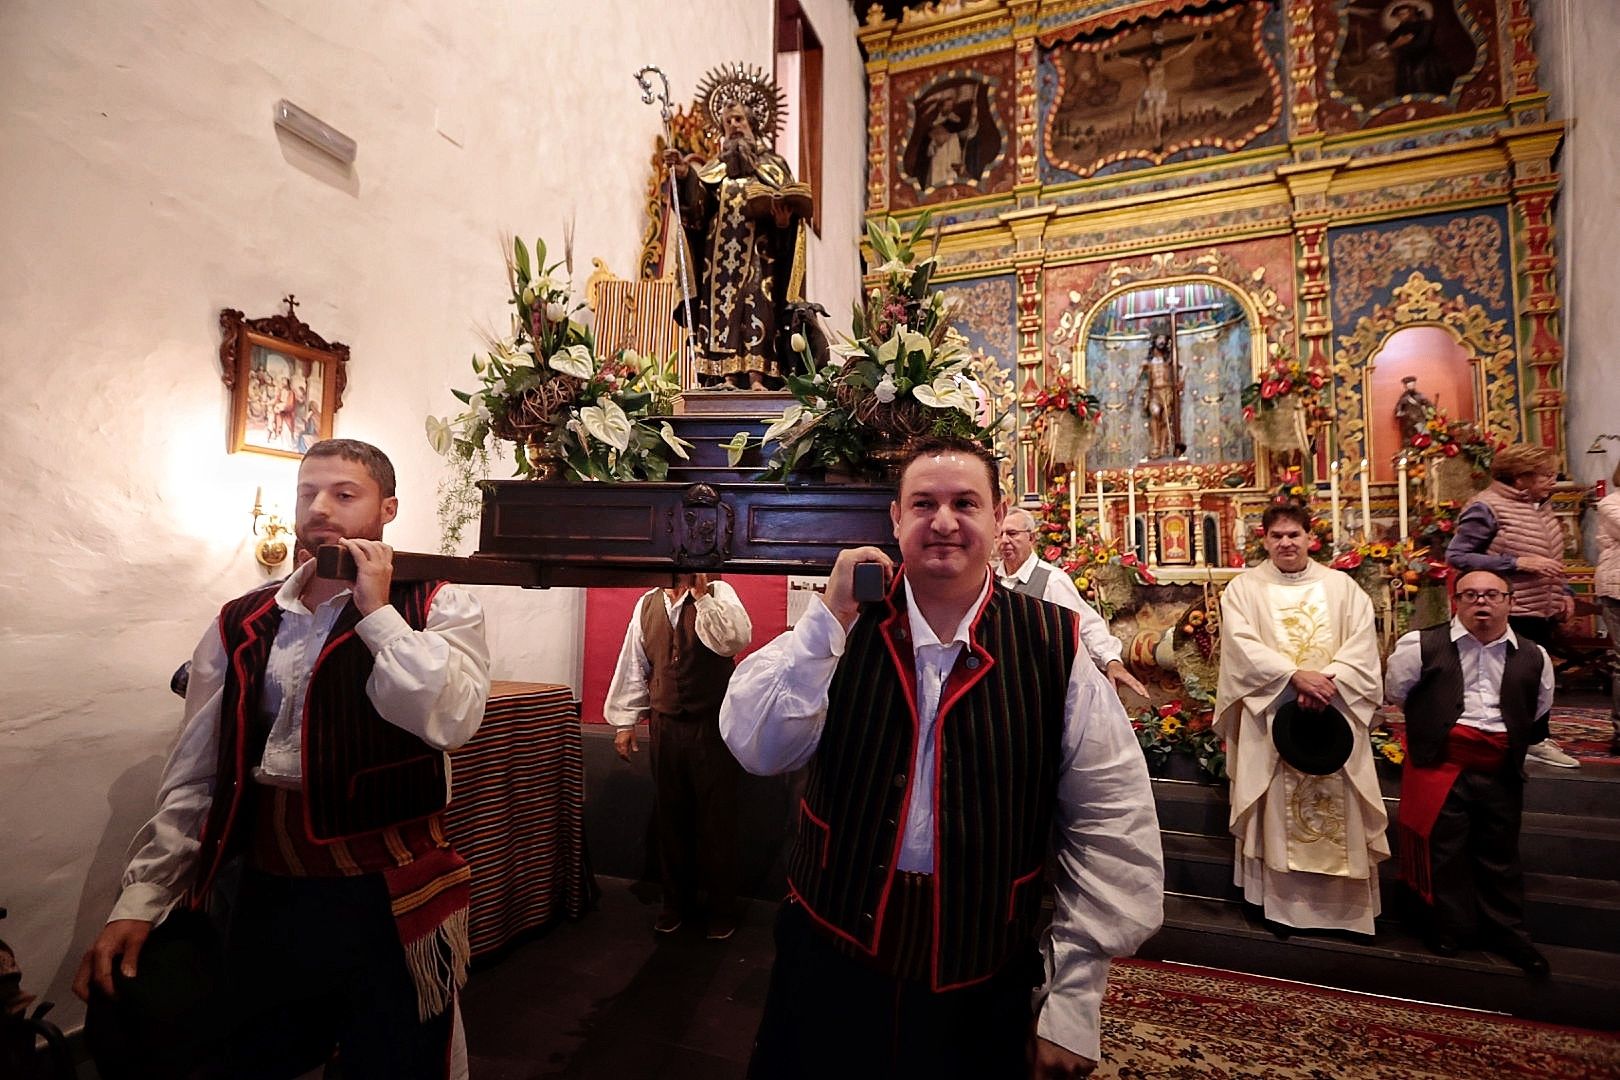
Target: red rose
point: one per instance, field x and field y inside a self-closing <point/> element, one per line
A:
<point x="1451" y="449"/>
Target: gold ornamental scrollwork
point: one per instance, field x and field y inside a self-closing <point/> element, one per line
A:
<point x="1420" y="302"/>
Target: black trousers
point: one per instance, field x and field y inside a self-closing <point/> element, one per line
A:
<point x="1474" y="853"/>
<point x="315" y="964"/>
<point x="695" y="782"/>
<point x="829" y="1015"/>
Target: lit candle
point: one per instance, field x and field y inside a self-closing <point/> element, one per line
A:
<point x="1333" y="494"/>
<point x="1400" y="494"/>
<point x="1366" y="504"/>
<point x="1073" y="534"/>
<point x="1102" y="509"/>
<point x="1130" y="510"/>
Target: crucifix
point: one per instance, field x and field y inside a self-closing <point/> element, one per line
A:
<point x="1165" y="382"/>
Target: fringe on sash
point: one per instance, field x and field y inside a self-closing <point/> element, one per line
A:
<point x="438" y="965"/>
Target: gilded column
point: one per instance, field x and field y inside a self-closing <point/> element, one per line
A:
<point x="1526" y="100"/>
<point x="1026" y="115"/>
<point x="874" y="37"/>
<point x="1540" y="341"/>
<point x="1303" y="93"/>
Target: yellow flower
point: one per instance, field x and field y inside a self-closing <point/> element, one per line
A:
<point x="1378" y="551"/>
<point x="1392" y="752"/>
<point x="1297" y="489"/>
<point x="1169" y="725"/>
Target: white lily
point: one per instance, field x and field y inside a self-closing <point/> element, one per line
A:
<point x="438" y="434"/>
<point x="556" y="312"/>
<point x="902" y="273"/>
<point x="885" y="390"/>
<point x="785" y="423"/>
<point x="575" y="360"/>
<point x="607" y="423"/>
<point x="677" y="444"/>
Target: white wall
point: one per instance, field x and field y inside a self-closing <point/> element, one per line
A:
<point x="1575" y="40"/>
<point x="144" y="189"/>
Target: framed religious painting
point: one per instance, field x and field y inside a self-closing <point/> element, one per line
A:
<point x="286" y="382"/>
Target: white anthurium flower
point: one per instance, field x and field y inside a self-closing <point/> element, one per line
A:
<point x="944" y="393"/>
<point x="785" y="423"/>
<point x="438" y="434"/>
<point x="913" y="342"/>
<point x="898" y="270"/>
<point x="889" y="351"/>
<point x="607" y="423"/>
<point x="575" y="360"/>
<point x="885" y="390"/>
<point x="677" y="444"/>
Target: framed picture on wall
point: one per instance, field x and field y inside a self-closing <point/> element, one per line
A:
<point x="286" y="382"/>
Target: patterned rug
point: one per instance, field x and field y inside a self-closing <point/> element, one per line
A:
<point x="1179" y="1021"/>
<point x="1583" y="733"/>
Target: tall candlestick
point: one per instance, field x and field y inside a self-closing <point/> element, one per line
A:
<point x="1073" y="533"/>
<point x="1102" y="510"/>
<point x="1130" y="510"/>
<point x="1366" y="504"/>
<point x="1333" y="494"/>
<point x="1400" y="495"/>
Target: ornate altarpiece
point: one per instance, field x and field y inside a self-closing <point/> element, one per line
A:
<point x="1344" y="170"/>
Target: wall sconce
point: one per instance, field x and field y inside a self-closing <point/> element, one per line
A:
<point x="1597" y="443"/>
<point x="319" y="134"/>
<point x="271" y="549"/>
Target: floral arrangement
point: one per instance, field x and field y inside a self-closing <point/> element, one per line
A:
<point x="1064" y="418"/>
<point x="1436" y="524"/>
<point x="1387" y="745"/>
<point x="1101" y="569"/>
<point x="1279" y="406"/>
<point x="546" y="388"/>
<point x="1405" y="583"/>
<point x="902" y="373"/>
<point x="1177" y="728"/>
<point x="1437" y="435"/>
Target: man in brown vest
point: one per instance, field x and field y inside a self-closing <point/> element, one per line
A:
<point x="313" y="752"/>
<point x="962" y="749"/>
<point x="1510" y="530"/>
<point x="672" y="671"/>
<point x="1476" y="697"/>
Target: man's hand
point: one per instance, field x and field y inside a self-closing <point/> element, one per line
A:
<point x="1120" y="675"/>
<point x="674" y="159"/>
<point x="120" y="939"/>
<point x="1315" y="690"/>
<point x="374" y="565"/>
<point x="840" y="594"/>
<point x="1053" y="1062"/>
<point x="1539" y="565"/>
<point x="624" y="742"/>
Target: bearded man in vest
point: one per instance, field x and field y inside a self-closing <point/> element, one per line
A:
<point x="1477" y="695"/>
<point x="312" y="760"/>
<point x="1019" y="570"/>
<point x="1293" y="631"/>
<point x="961" y="748"/>
<point x="1510" y="530"/>
<point x="672" y="672"/>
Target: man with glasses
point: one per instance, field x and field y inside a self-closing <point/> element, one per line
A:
<point x="1510" y="530"/>
<point x="1476" y="696"/>
<point x="1019" y="570"/>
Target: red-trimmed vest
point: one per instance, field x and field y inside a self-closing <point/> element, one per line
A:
<point x="361" y="773"/>
<point x="1525" y="528"/>
<point x="999" y="751"/>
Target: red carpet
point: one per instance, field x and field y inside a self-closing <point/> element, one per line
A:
<point x="1179" y="1021"/>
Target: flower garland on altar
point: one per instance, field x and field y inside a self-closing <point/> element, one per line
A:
<point x="1065" y="418"/>
<point x="1100" y="568"/>
<point x="1178" y="728"/>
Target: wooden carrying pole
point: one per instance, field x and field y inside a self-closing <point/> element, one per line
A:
<point x="333" y="561"/>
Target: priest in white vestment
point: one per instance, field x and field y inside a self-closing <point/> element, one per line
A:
<point x="1308" y="847"/>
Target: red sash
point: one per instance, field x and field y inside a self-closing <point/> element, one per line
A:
<point x="1424" y="791"/>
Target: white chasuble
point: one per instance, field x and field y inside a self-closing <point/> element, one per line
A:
<point x="1307" y="847"/>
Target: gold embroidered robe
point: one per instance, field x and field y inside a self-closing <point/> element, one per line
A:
<point x="1308" y="847"/>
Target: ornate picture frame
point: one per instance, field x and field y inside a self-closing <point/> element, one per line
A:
<point x="286" y="382"/>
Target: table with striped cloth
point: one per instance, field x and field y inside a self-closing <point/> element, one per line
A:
<point x="517" y="812"/>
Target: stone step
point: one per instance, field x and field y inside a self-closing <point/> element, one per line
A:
<point x="1576" y="845"/>
<point x="1559" y="909"/>
<point x="1583" y="990"/>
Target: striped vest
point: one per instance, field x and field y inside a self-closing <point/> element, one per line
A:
<point x="1436" y="700"/>
<point x="688" y="679"/>
<point x="1525" y="528"/>
<point x="361" y="774"/>
<point x="999" y="752"/>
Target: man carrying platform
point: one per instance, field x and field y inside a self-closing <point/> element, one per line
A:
<point x="1477" y="695"/>
<point x="960" y="746"/>
<point x="1299" y="671"/>
<point x="317" y="719"/>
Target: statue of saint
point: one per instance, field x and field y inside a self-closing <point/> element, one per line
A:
<point x="745" y="225"/>
<point x="1412" y="410"/>
<point x="1162" y="406"/>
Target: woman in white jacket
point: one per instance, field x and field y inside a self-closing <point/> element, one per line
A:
<point x="1606" y="585"/>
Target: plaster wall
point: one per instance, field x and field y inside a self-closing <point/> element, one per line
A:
<point x="1574" y="40"/>
<point x="146" y="189"/>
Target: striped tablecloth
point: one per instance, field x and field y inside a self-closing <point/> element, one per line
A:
<point x="517" y="812"/>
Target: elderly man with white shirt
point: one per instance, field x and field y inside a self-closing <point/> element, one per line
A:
<point x="960" y="747"/>
<point x="1019" y="570"/>
<point x="1476" y="696"/>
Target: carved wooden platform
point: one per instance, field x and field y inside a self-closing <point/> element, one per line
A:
<point x="619" y="534"/>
